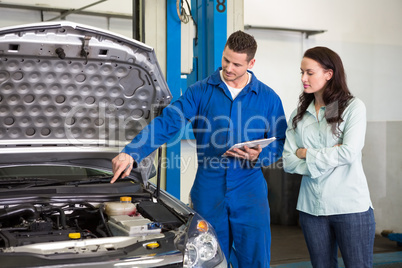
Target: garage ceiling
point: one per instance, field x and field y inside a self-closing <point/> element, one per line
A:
<point x="121" y="7"/>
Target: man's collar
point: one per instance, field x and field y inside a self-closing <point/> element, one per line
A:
<point x="215" y="79"/>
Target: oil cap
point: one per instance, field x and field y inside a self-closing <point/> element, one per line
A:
<point x="152" y="245"/>
<point x="74" y="235"/>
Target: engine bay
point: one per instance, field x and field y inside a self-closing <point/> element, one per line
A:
<point x="65" y="217"/>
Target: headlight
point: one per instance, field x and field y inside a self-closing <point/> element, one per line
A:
<point x="202" y="247"/>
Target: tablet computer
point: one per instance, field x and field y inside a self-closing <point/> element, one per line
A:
<point x="251" y="144"/>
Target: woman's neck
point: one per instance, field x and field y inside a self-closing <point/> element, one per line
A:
<point x="318" y="102"/>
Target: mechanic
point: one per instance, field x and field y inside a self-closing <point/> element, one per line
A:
<point x="229" y="190"/>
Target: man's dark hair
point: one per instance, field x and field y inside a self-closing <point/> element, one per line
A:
<point x="241" y="42"/>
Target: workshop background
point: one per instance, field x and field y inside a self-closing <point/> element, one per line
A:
<point x="365" y="33"/>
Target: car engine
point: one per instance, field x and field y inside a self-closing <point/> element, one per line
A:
<point x="27" y="224"/>
<point x="36" y="223"/>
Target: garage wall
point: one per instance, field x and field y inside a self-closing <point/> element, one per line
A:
<point x="366" y="34"/>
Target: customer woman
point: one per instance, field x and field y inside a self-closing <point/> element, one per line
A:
<point x="324" y="140"/>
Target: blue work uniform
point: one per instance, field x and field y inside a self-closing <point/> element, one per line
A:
<point x="228" y="192"/>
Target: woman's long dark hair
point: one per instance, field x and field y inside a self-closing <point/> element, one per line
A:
<point x="336" y="94"/>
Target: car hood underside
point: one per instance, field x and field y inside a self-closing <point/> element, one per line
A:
<point x="68" y="85"/>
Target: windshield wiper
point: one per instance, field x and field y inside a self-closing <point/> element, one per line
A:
<point x="90" y="180"/>
<point x="25" y="182"/>
<point x="22" y="182"/>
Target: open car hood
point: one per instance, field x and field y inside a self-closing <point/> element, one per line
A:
<point x="68" y="90"/>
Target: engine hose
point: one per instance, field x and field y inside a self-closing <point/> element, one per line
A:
<point x="24" y="210"/>
<point x="50" y="209"/>
<point x="101" y="207"/>
<point x="62" y="217"/>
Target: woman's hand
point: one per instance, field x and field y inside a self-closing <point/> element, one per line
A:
<point x="301" y="153"/>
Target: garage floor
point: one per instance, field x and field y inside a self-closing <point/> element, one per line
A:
<point x="289" y="250"/>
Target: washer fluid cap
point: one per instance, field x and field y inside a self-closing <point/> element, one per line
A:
<point x="125" y="199"/>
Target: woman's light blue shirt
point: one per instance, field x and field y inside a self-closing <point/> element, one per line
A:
<point x="333" y="178"/>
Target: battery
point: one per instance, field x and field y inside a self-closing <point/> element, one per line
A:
<point x="125" y="225"/>
<point x="158" y="213"/>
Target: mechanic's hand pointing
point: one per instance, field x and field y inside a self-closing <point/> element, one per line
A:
<point x="122" y="165"/>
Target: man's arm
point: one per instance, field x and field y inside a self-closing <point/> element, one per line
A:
<point x="159" y="131"/>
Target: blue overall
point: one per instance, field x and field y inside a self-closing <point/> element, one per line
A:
<point x="228" y="192"/>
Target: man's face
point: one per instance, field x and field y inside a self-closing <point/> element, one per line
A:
<point x="235" y="65"/>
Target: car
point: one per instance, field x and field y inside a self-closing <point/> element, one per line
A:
<point x="71" y="97"/>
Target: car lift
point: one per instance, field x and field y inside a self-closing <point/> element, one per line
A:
<point x="210" y="18"/>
